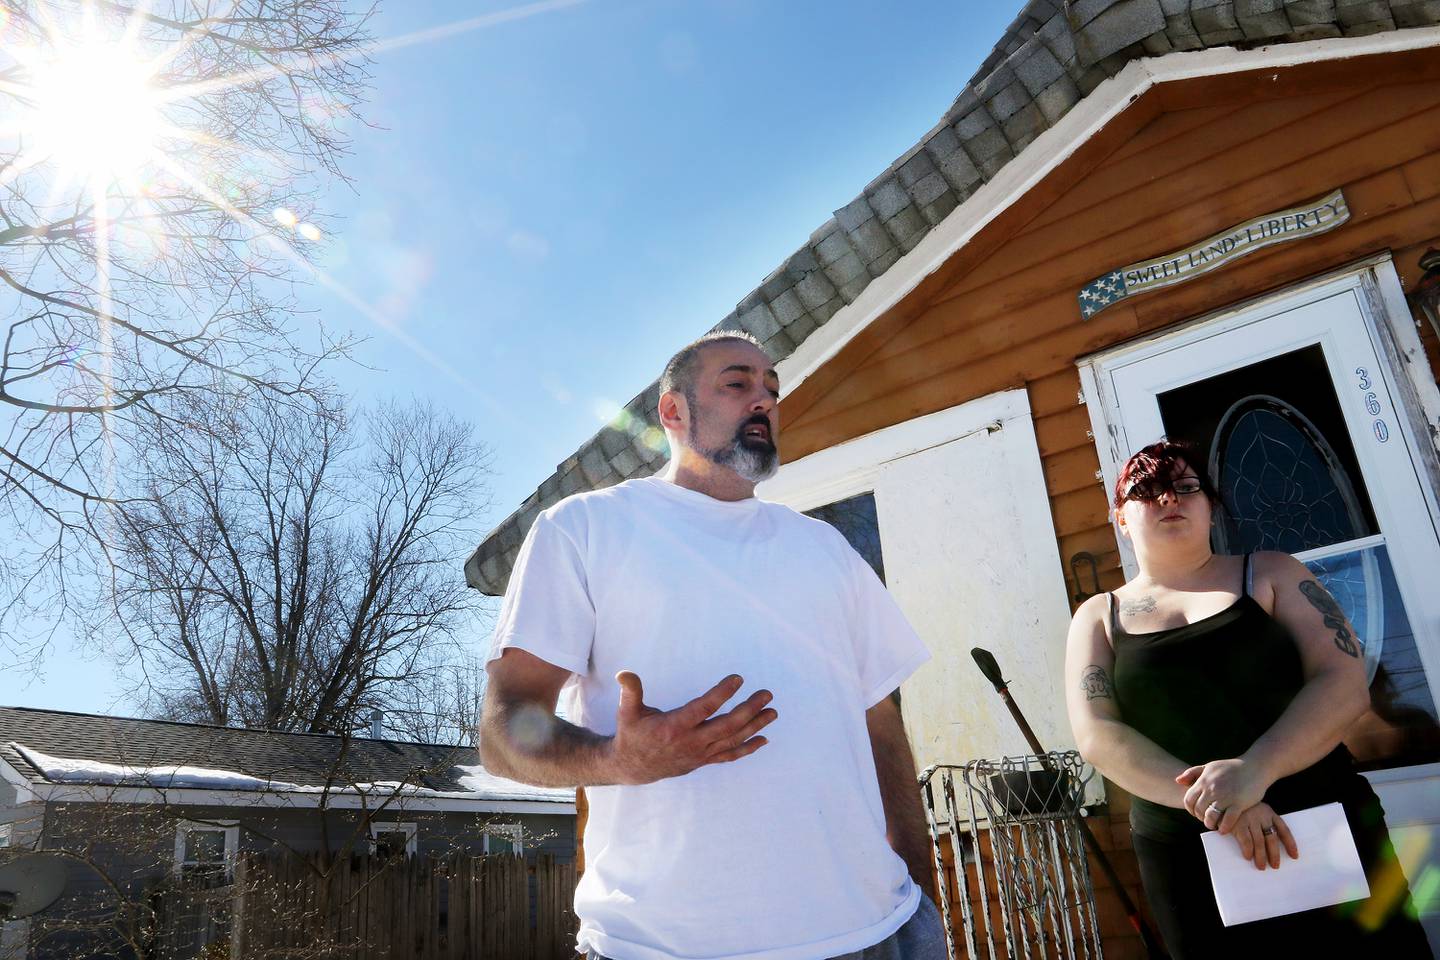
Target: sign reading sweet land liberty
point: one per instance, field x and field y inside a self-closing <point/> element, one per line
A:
<point x="1308" y="220"/>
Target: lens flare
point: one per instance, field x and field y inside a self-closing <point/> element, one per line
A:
<point x="654" y="438"/>
<point x="606" y="411"/>
<point x="99" y="116"/>
<point x="625" y="422"/>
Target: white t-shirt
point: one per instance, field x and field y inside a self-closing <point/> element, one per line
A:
<point x="780" y="855"/>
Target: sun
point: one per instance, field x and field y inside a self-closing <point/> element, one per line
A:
<point x="94" y="111"/>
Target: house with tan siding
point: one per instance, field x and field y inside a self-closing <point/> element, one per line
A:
<point x="1142" y="218"/>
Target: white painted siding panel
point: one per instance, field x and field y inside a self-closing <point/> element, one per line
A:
<point x="971" y="556"/>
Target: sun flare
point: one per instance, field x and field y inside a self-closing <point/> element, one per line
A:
<point x="121" y="129"/>
<point x="94" y="111"/>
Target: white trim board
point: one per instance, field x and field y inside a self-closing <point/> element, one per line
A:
<point x="1398" y="344"/>
<point x="1052" y="148"/>
<point x="850" y="468"/>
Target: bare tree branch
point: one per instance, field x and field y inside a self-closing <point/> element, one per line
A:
<point x="295" y="569"/>
<point x="122" y="301"/>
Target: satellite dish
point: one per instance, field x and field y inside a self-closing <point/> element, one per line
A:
<point x="29" y="884"/>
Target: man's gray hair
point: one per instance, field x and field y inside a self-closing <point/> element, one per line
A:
<point x="680" y="371"/>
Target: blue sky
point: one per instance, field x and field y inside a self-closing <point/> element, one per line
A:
<point x="544" y="209"/>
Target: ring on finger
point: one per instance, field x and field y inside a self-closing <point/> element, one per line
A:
<point x="1268" y="831"/>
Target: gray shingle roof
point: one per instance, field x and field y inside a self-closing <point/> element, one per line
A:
<point x="1048" y="60"/>
<point x="308" y="760"/>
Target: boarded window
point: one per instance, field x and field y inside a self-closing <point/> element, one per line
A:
<point x="855" y="518"/>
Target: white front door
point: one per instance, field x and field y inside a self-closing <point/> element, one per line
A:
<point x="1300" y="422"/>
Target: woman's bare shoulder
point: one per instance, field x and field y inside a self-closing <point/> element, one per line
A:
<point x="1275" y="565"/>
<point x="1093" y="610"/>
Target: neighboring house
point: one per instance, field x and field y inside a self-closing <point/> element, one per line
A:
<point x="1200" y="218"/>
<point x="129" y="801"/>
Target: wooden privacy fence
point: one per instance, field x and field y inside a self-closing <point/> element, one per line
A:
<point x="299" y="907"/>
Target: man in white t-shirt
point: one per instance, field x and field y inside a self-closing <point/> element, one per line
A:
<point x="706" y="837"/>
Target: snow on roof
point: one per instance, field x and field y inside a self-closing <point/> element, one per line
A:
<point x="476" y="778"/>
<point x="476" y="781"/>
<point x="70" y="770"/>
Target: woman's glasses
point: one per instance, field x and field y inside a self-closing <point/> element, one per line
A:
<point x="1155" y="489"/>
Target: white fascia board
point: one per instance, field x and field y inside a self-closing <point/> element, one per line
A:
<point x="850" y="468"/>
<point x="1052" y="148"/>
<point x="187" y="796"/>
<point x="24" y="786"/>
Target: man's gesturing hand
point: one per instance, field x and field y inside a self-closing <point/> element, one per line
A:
<point x="653" y="744"/>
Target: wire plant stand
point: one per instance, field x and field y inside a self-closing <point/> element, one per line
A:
<point x="1015" y="823"/>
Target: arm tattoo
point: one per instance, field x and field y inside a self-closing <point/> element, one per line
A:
<point x="1145" y="604"/>
<point x="1096" y="683"/>
<point x="1321" y="600"/>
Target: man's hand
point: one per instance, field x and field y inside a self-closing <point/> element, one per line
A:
<point x="653" y="744"/>
<point x="1260" y="833"/>
<point x="1221" y="790"/>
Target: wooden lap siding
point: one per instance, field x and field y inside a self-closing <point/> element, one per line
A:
<point x="1117" y="936"/>
<point x="1011" y="319"/>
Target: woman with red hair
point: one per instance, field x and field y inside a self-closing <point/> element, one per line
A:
<point x="1215" y="690"/>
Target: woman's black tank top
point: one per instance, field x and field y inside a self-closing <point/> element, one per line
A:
<point x="1207" y="691"/>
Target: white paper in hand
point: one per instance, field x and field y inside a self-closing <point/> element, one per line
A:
<point x="1328" y="871"/>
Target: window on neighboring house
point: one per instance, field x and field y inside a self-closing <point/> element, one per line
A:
<point x="205" y="852"/>
<point x="392" y="840"/>
<point x="855" y="518"/>
<point x="503" y="838"/>
<point x="5" y="833"/>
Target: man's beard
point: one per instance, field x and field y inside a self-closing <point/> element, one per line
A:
<point x="752" y="460"/>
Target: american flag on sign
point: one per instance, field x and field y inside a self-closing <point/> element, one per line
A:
<point x="1101" y="293"/>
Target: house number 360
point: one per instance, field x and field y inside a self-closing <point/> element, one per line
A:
<point x="1372" y="405"/>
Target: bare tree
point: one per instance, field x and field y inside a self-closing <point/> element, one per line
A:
<point x="441" y="703"/>
<point x="285" y="575"/>
<point x="158" y="163"/>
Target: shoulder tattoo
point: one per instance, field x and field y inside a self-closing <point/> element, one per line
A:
<point x="1145" y="604"/>
<point x="1096" y="683"/>
<point x="1334" y="617"/>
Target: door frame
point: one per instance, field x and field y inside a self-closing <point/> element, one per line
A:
<point x="1413" y="393"/>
